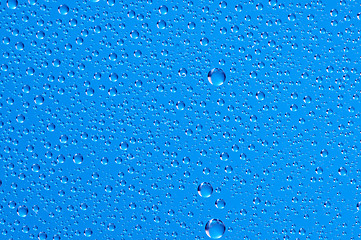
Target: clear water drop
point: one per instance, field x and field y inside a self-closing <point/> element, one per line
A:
<point x="78" y="159"/>
<point x="12" y="4"/>
<point x="260" y="96"/>
<point x="63" y="9"/>
<point x="215" y="228"/>
<point x="22" y="211"/>
<point x="220" y="203"/>
<point x="163" y="10"/>
<point x="205" y="190"/>
<point x="216" y="77"/>
<point x="39" y="100"/>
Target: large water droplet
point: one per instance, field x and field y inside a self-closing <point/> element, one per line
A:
<point x="39" y="100"/>
<point x="205" y="189"/>
<point x="342" y="171"/>
<point x="163" y="10"/>
<point x="215" y="228"/>
<point x="78" y="158"/>
<point x="42" y="236"/>
<point x="22" y="211"/>
<point x="63" y="9"/>
<point x="12" y="4"/>
<point x="324" y="153"/>
<point x="216" y="77"/>
<point x="260" y="96"/>
<point x="88" y="232"/>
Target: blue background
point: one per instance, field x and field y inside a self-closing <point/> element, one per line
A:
<point x="125" y="86"/>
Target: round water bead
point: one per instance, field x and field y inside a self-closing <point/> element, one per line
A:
<point x="205" y="190"/>
<point x="215" y="228"/>
<point x="216" y="77"/>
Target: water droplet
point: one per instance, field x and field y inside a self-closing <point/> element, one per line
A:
<point x="51" y="127"/>
<point x="324" y="153"/>
<point x="63" y="9"/>
<point x="291" y="17"/>
<point x="20" y="118"/>
<point x="134" y="34"/>
<point x="88" y="232"/>
<point x="12" y="4"/>
<point x="342" y="171"/>
<point x="78" y="158"/>
<point x="224" y="156"/>
<point x="205" y="190"/>
<point x="319" y="170"/>
<point x="123" y="146"/>
<point x="215" y="228"/>
<point x="307" y="99"/>
<point x="260" y="96"/>
<point x="204" y="41"/>
<point x="19" y="46"/>
<point x="111" y="227"/>
<point x="220" y="203"/>
<point x="180" y="105"/>
<point x="161" y="24"/>
<point x="39" y="100"/>
<point x="182" y="72"/>
<point x="22" y="211"/>
<point x="42" y="236"/>
<point x="163" y="10"/>
<point x="216" y="77"/>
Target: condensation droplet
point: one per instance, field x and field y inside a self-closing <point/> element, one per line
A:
<point x="215" y="228"/>
<point x="216" y="77"/>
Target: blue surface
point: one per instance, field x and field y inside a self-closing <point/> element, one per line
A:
<point x="109" y="123"/>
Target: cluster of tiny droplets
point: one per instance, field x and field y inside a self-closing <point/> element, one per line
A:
<point x="179" y="119"/>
